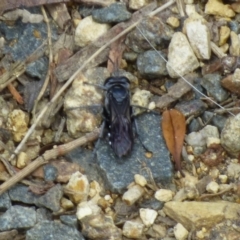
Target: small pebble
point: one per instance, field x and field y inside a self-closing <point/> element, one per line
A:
<point x="235" y="44"/>
<point x="133" y="229"/>
<point x="224" y="34"/>
<point x="66" y="203"/>
<point x="212" y="187"/>
<point x="214" y="173"/>
<point x="137" y="4"/>
<point x="223" y="178"/>
<point x="191" y="157"/>
<point x="213" y="140"/>
<point x="86" y="209"/>
<point x="148" y="216"/>
<point x="114" y="13"/>
<point x="216" y="7"/>
<point x="17" y="123"/>
<point x="88" y="31"/>
<point x="164" y="195"/>
<point x="201" y="234"/>
<point x="79" y="184"/>
<point x="173" y="22"/>
<point x="140" y="180"/>
<point x="22" y="160"/>
<point x="133" y="194"/>
<point x="181" y="57"/>
<point x="180" y="232"/>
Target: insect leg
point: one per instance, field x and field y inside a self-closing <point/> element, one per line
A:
<point x="138" y="135"/>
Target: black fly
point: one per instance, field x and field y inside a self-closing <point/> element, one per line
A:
<point x="118" y="115"/>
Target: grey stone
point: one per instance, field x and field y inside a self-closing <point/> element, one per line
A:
<point x="70" y="220"/>
<point x="116" y="174"/>
<point x="207" y="117"/>
<point x="5" y="202"/>
<point x="50" y="200"/>
<point x="85" y="11"/>
<point x="115" y="13"/>
<point x="181" y="58"/>
<point x="212" y="83"/>
<point x="23" y="32"/>
<point x="194" y="126"/>
<point x="230" y="136"/>
<point x="192" y="107"/>
<point x="219" y="121"/>
<point x="152" y="204"/>
<point x="52" y="231"/>
<point x="119" y="173"/>
<point x="155" y="30"/>
<point x="17" y="217"/>
<point x="151" y="65"/>
<point x="50" y="172"/>
<point x="234" y="26"/>
<point x="43" y="214"/>
<point x="38" y="69"/>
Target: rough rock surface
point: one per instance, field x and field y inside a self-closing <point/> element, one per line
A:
<point x="180" y="56"/>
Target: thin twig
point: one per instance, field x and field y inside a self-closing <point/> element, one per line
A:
<point x="48" y="155"/>
<point x="226" y="110"/>
<point x="216" y="194"/>
<point x="68" y="83"/>
<point x="50" y="60"/>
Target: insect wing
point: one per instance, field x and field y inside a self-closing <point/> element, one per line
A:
<point x="121" y="133"/>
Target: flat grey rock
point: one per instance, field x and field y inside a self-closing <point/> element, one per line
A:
<point x="119" y="173"/>
<point x="53" y="231"/>
<point x="50" y="200"/>
<point x="5" y="202"/>
<point x="18" y="217"/>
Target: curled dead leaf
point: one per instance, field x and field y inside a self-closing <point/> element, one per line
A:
<point x="174" y="128"/>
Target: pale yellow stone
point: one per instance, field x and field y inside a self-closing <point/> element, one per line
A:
<point x="66" y="204"/>
<point x="224" y="34"/>
<point x="148" y="216"/>
<point x="22" y="160"/>
<point x="78" y="187"/>
<point x="224" y="47"/>
<point x="17" y="123"/>
<point x="133" y="194"/>
<point x="201" y="214"/>
<point x="137" y="4"/>
<point x="235" y="44"/>
<point x="140" y="180"/>
<point x="133" y="229"/>
<point x="88" y="31"/>
<point x="180" y="232"/>
<point x="173" y="22"/>
<point x="216" y="7"/>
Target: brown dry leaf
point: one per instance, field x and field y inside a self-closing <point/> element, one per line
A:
<point x="174" y="128"/>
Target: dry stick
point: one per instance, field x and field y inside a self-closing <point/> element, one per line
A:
<point x="48" y="155"/>
<point x="47" y="78"/>
<point x="67" y="84"/>
<point x="231" y="187"/>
